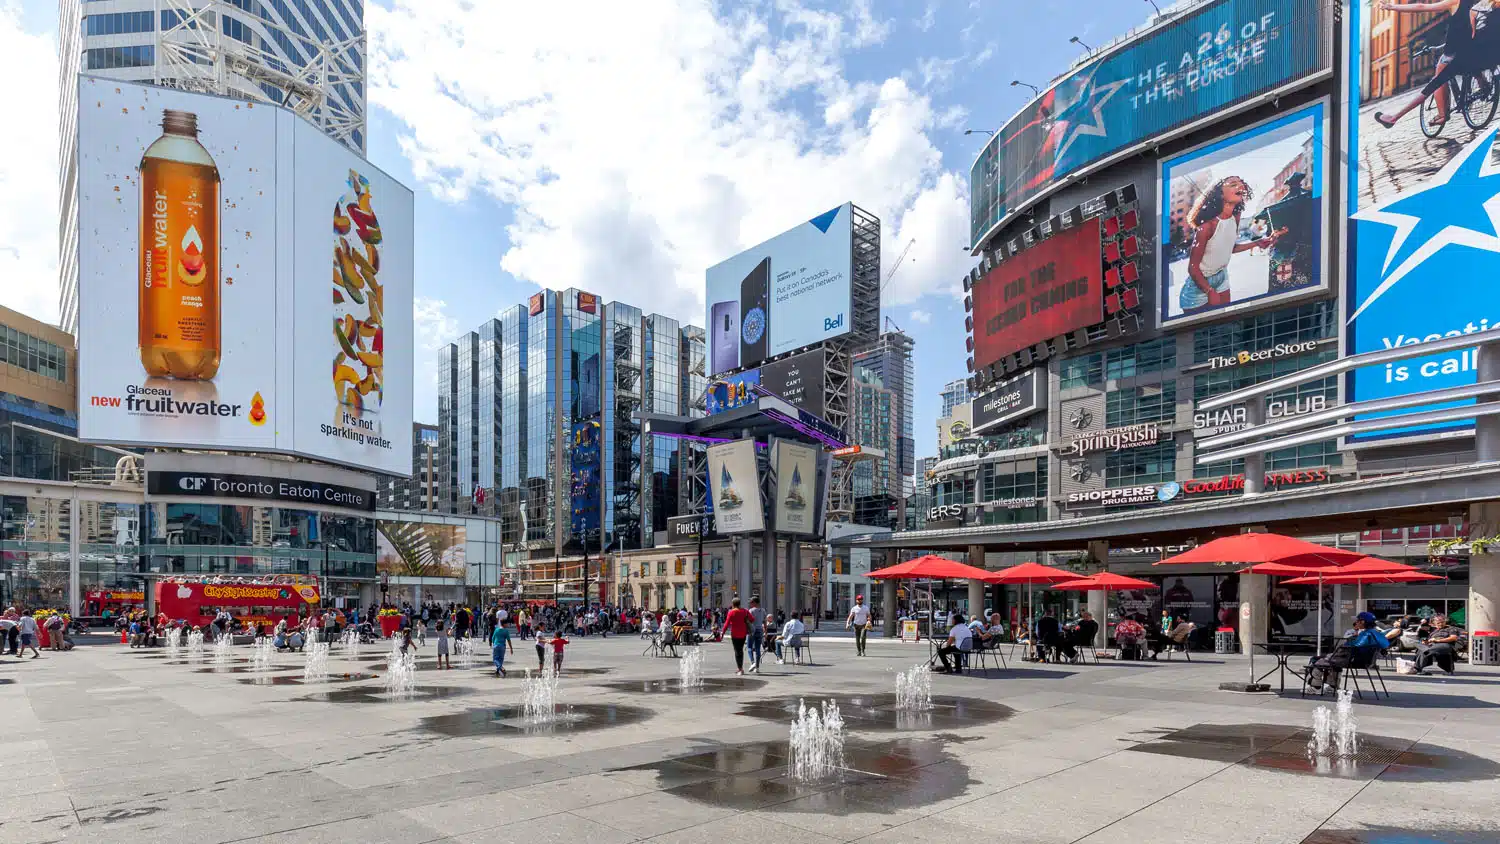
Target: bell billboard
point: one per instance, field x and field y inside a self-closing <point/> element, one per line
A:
<point x="269" y="272"/>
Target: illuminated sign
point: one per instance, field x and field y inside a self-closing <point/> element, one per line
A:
<point x="1054" y="288"/>
<point x="1114" y="439"/>
<point x="1280" y="350"/>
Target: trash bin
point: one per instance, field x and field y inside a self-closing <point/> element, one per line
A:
<point x="1224" y="640"/>
<point x="1484" y="648"/>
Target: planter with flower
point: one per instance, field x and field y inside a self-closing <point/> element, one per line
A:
<point x="44" y="638"/>
<point x="390" y="622"/>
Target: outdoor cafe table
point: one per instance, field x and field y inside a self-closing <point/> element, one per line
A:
<point x="1283" y="651"/>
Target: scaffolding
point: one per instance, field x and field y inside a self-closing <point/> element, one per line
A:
<point x="195" y="54"/>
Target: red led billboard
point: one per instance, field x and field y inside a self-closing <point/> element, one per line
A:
<point x="1046" y="291"/>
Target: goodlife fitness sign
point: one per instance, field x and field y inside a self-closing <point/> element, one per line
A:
<point x="1236" y="483"/>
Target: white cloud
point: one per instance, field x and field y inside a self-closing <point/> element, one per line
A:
<point x="643" y="142"/>
<point x="28" y="170"/>
<point x="920" y="316"/>
<point x="929" y="16"/>
<point x="433" y="329"/>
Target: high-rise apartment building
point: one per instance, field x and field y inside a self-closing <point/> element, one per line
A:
<point x="418" y="492"/>
<point x="306" y="55"/>
<point x="537" y="422"/>
<point x="953" y="394"/>
<point x="872" y="424"/>
<point x="889" y="361"/>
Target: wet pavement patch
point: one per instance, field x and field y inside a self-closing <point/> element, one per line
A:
<point x="378" y="694"/>
<point x="673" y="686"/>
<point x="1284" y="748"/>
<point x="511" y="720"/>
<point x="876" y="777"/>
<point x="1391" y="835"/>
<point x="291" y="680"/>
<point x="878" y="712"/>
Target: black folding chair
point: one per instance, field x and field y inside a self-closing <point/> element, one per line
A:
<point x="991" y="653"/>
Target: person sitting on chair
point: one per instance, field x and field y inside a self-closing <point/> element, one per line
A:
<point x="791" y="637"/>
<point x="991" y="636"/>
<point x="1048" y="635"/>
<point x="1080" y="634"/>
<point x="1440" y="648"/>
<point x="1325" y="669"/>
<point x="960" y="640"/>
<point x="1177" y="636"/>
<point x="1130" y="635"/>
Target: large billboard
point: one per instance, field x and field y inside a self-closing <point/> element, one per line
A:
<point x="414" y="549"/>
<point x="1245" y="220"/>
<point x="1423" y="183"/>
<point x="734" y="483"/>
<point x="791" y="291"/>
<point x="796" y="488"/>
<point x="797" y="378"/>
<point x="1193" y="66"/>
<point x="218" y="224"/>
<point x="1048" y="290"/>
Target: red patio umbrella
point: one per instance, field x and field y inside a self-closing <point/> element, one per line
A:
<point x="1263" y="548"/>
<point x="930" y="567"/>
<point x="1394" y="577"/>
<point x="1031" y="574"/>
<point x="1105" y="581"/>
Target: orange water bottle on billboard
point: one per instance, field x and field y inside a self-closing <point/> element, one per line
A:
<point x="179" y="318"/>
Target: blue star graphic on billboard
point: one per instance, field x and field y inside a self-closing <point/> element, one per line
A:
<point x="1457" y="208"/>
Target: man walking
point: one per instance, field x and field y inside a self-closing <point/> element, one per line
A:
<point x="756" y="642"/>
<point x="859" y="619"/>
<point x="499" y="641"/>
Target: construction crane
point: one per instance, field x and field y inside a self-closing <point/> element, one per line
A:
<point x="896" y="265"/>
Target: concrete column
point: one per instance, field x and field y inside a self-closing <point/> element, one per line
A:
<point x="769" y="563"/>
<point x="1255" y="464"/>
<point x="793" y="576"/>
<point x="1484" y="569"/>
<point x="741" y="577"/>
<point x="888" y="619"/>
<point x="1255" y="610"/>
<point x="1487" y="428"/>
<point x="74" y="523"/>
<point x="976" y="598"/>
<point x="1098" y="602"/>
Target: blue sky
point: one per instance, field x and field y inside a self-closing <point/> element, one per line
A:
<point x="625" y="150"/>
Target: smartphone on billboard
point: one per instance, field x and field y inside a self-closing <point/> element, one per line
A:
<point x="755" y="314"/>
<point x="724" y="335"/>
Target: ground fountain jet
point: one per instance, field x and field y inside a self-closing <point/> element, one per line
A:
<point x="315" y="669"/>
<point x="463" y="649"/>
<point x="1335" y="733"/>
<point x="223" y="649"/>
<point x="195" y="644"/>
<point x="400" y="672"/>
<point x="690" y="670"/>
<point x="914" y="689"/>
<point x="539" y="697"/>
<point x="174" y="642"/>
<point x="350" y="641"/>
<point x="817" y="743"/>
<point x="260" y="657"/>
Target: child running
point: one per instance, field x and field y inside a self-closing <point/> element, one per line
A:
<point x="558" y="642"/>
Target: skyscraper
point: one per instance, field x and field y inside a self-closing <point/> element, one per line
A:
<point x="536" y="422"/>
<point x="889" y="360"/>
<point x="306" y="55"/>
<point x="953" y="394"/>
<point x="872" y="424"/>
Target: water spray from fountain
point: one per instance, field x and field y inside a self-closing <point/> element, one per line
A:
<point x="260" y="657"/>
<point x="817" y="742"/>
<point x="223" y="648"/>
<point x="539" y="697"/>
<point x="1335" y="734"/>
<point x="464" y="652"/>
<point x="914" y="689"/>
<point x="350" y="641"/>
<point x="315" y="670"/>
<point x="400" y="671"/>
<point x="174" y="642"/>
<point x="195" y="644"/>
<point x="690" y="669"/>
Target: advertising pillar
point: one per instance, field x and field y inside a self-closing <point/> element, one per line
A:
<point x="771" y="598"/>
<point x="888" y="612"/>
<point x="1098" y="600"/>
<point x="793" y="577"/>
<point x="1255" y="606"/>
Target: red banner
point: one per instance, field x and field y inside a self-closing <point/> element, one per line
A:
<point x="1053" y="288"/>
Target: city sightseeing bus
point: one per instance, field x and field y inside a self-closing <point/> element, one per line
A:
<point x="197" y="601"/>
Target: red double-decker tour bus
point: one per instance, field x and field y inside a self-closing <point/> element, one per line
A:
<point x="250" y="602"/>
<point x="96" y="601"/>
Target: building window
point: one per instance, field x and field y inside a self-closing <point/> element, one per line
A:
<point x="661" y="568"/>
<point x="1315" y="321"/>
<point x="1233" y="378"/>
<point x="1125" y="362"/>
<point x="1311" y="456"/>
<point x="1137" y="466"/>
<point x="108" y="58"/>
<point x="18" y="348"/>
<point x="1138" y="405"/>
<point x="119" y="23"/>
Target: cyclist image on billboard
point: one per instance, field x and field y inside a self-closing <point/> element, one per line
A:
<point x="1464" y="73"/>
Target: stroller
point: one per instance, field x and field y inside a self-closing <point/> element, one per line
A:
<point x="366" y="633"/>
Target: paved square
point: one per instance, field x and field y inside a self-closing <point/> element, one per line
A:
<point x="109" y="744"/>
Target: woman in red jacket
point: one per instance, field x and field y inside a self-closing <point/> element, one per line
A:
<point x="737" y="625"/>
